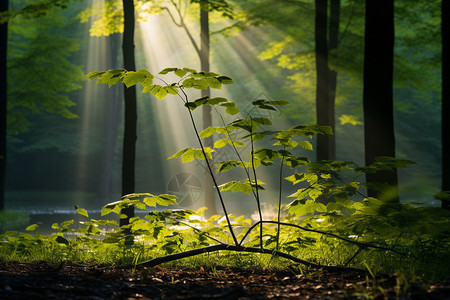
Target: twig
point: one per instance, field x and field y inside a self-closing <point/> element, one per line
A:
<point x="258" y="202"/>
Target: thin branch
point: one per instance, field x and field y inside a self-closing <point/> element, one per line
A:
<point x="354" y="255"/>
<point x="211" y="173"/>
<point x="191" y="38"/>
<point x="172" y="17"/>
<point x="258" y="202"/>
<point x="209" y="249"/>
<point x="361" y="244"/>
<point x="234" y="147"/>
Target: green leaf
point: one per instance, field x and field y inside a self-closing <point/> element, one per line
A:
<point x="67" y="223"/>
<point x="220" y="143"/>
<point x="231" y="108"/>
<point x="105" y="211"/>
<point x="132" y="78"/>
<point x="167" y="70"/>
<point x="180" y="73"/>
<point x="228" y="165"/>
<point x="305" y="145"/>
<point x="32" y="227"/>
<point x="207" y="132"/>
<point x="262" y="121"/>
<point x="224" y="79"/>
<point x="62" y="240"/>
<point x="159" y="92"/>
<point x="188" y="156"/>
<point x="95" y="74"/>
<point x="217" y="100"/>
<point x="180" y="153"/>
<point x="82" y="211"/>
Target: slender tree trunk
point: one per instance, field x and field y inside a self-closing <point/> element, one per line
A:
<point x="323" y="112"/>
<point x="111" y="122"/>
<point x="3" y="101"/>
<point x="445" y="99"/>
<point x="379" y="138"/>
<point x="333" y="38"/>
<point x="130" y="136"/>
<point x="210" y="202"/>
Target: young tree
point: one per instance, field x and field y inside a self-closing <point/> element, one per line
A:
<point x="379" y="138"/>
<point x="326" y="39"/>
<point x="129" y="140"/>
<point x="445" y="23"/>
<point x="3" y="94"/>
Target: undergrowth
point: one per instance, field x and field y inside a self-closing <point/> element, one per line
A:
<point x="329" y="222"/>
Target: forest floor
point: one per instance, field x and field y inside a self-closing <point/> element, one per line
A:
<point x="71" y="281"/>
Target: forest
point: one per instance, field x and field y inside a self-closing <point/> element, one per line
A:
<point x="298" y="139"/>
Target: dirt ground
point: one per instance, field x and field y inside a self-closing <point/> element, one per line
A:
<point x="69" y="281"/>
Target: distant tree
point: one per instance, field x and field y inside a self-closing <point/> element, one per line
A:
<point x="204" y="55"/>
<point x="326" y="39"/>
<point x="130" y="136"/>
<point x="3" y="100"/>
<point x="379" y="138"/>
<point x="445" y="27"/>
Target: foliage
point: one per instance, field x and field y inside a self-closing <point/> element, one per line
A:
<point x="33" y="10"/>
<point x="325" y="233"/>
<point x="34" y="47"/>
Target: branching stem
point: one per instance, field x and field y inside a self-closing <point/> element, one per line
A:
<point x="209" y="249"/>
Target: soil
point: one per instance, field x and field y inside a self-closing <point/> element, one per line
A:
<point x="71" y="281"/>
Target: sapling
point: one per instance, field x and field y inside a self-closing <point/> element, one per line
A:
<point x="317" y="174"/>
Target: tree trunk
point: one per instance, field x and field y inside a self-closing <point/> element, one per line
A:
<point x="3" y="101"/>
<point x="325" y="146"/>
<point x="445" y="100"/>
<point x="129" y="140"/>
<point x="333" y="35"/>
<point x="210" y="202"/>
<point x="379" y="138"/>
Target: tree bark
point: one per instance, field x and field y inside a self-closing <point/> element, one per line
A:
<point x="210" y="202"/>
<point x="445" y="99"/>
<point x="3" y="101"/>
<point x="379" y="138"/>
<point x="130" y="136"/>
<point x="323" y="113"/>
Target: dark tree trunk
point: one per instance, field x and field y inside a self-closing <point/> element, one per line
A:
<point x="445" y="100"/>
<point x="129" y="140"/>
<point x="210" y="202"/>
<point x="111" y="122"/>
<point x="333" y="39"/>
<point x="323" y="113"/>
<point x="379" y="138"/>
<point x="3" y="98"/>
